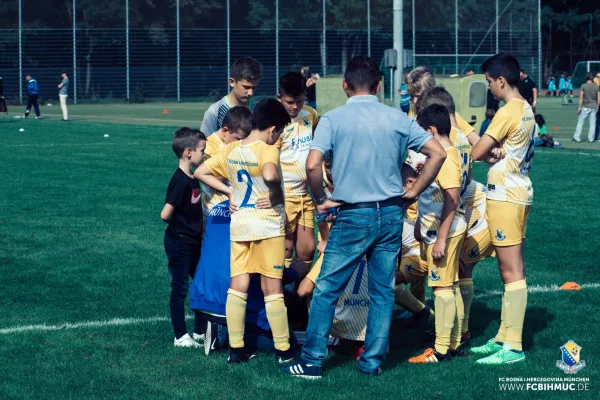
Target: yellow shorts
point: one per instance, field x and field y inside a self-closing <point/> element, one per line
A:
<point x="299" y="210"/>
<point x="507" y="222"/>
<point x="265" y="257"/>
<point x="443" y="271"/>
<point x="315" y="270"/>
<point x="477" y="247"/>
<point x="412" y="266"/>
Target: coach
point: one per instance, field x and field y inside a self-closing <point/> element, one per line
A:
<point x="369" y="141"/>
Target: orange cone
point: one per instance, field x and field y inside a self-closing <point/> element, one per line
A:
<point x="165" y="111"/>
<point x="557" y="128"/>
<point x="570" y="286"/>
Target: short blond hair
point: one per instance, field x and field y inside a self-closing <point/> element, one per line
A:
<point x="418" y="81"/>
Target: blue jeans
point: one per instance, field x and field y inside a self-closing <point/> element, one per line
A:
<point x="376" y="233"/>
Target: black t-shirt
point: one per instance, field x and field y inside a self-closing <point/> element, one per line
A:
<point x="311" y="92"/>
<point x="183" y="194"/>
<point x="526" y="87"/>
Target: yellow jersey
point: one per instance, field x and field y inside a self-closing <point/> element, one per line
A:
<point x="242" y="165"/>
<point x="513" y="127"/>
<point x="410" y="246"/>
<point x="474" y="202"/>
<point x="210" y="196"/>
<point x="431" y="202"/>
<point x="294" y="143"/>
<point x="461" y="143"/>
<point x="463" y="125"/>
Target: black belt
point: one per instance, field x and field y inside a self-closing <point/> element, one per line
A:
<point x="394" y="201"/>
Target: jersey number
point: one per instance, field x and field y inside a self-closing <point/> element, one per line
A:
<point x="240" y="177"/>
<point x="528" y="160"/>
<point x="359" y="274"/>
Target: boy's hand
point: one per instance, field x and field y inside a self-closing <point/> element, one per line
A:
<point x="232" y="206"/>
<point x="409" y="197"/>
<point x="439" y="249"/>
<point x="321" y="247"/>
<point x="498" y="152"/>
<point x="264" y="202"/>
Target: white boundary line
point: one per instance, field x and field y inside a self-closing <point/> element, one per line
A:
<point x="139" y="321"/>
<point x="108" y="143"/>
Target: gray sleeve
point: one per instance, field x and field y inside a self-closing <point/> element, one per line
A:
<point x="323" y="139"/>
<point x="65" y="81"/>
<point x="209" y="121"/>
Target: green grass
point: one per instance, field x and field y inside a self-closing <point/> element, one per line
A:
<point x="81" y="240"/>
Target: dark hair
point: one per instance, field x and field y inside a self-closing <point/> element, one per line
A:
<point x="522" y="70"/>
<point x="437" y="95"/>
<point x="186" y="138"/>
<point x="435" y="115"/>
<point x="238" y="119"/>
<point x="539" y="119"/>
<point x="406" y="171"/>
<point x="64" y="72"/>
<point x="246" y="68"/>
<point x="269" y="112"/>
<point x="503" y="65"/>
<point x="489" y="113"/>
<point x="589" y="77"/>
<point x="362" y="73"/>
<point x="292" y="84"/>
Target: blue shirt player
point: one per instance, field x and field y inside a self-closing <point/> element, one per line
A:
<point x="33" y="91"/>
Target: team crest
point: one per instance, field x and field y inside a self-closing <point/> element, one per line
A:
<point x="434" y="275"/>
<point x="409" y="268"/>
<point x="474" y="253"/>
<point x="500" y="236"/>
<point x="571" y="362"/>
<point x="306" y="123"/>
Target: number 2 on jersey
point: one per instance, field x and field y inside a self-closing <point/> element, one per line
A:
<point x="240" y="177"/>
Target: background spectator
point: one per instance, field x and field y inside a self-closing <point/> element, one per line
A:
<point x="528" y="89"/>
<point x="489" y="116"/>
<point x="589" y="101"/>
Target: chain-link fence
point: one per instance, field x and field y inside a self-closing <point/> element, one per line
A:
<point x="135" y="50"/>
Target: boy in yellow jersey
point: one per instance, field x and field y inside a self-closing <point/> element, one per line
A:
<point x="237" y="125"/>
<point x="419" y="81"/>
<point x="507" y="146"/>
<point x="440" y="228"/>
<point x="257" y="224"/>
<point x="294" y="144"/>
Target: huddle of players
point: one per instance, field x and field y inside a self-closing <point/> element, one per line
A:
<point x="261" y="170"/>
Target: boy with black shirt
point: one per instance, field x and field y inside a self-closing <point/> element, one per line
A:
<point x="183" y="213"/>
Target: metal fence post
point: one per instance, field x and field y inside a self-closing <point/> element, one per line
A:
<point x="20" y="53"/>
<point x="324" y="41"/>
<point x="127" y="88"/>
<point x="414" y="37"/>
<point x="369" y="28"/>
<point x="540" y="75"/>
<point x="456" y="36"/>
<point x="178" y="56"/>
<point x="399" y="47"/>
<point x="74" y="52"/>
<point x="276" y="44"/>
<point x="497" y="28"/>
<point x="228" y="46"/>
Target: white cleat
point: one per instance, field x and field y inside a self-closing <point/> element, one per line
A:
<point x="186" y="341"/>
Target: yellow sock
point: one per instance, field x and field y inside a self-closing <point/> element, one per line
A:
<point x="288" y="262"/>
<point x="466" y="291"/>
<point x="456" y="333"/>
<point x="417" y="288"/>
<point x="235" y="313"/>
<point x="277" y="317"/>
<point x="445" y="312"/>
<point x="501" y="335"/>
<point x="515" y="298"/>
<point x="406" y="300"/>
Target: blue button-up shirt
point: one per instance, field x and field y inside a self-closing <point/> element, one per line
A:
<point x="369" y="141"/>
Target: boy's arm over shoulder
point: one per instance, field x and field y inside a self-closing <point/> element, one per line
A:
<point x="217" y="163"/>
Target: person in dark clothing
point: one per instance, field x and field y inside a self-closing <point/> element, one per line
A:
<point x="3" y="108"/>
<point x="311" y="86"/>
<point x="492" y="103"/>
<point x="528" y="89"/>
<point x="33" y="90"/>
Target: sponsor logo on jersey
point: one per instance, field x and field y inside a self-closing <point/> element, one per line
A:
<point x="432" y="233"/>
<point x="306" y="123"/>
<point x="433" y="275"/>
<point x="278" y="267"/>
<point x="356" y="302"/>
<point x="491" y="187"/>
<point x="500" y="234"/>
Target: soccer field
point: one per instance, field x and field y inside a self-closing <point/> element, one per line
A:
<point x="86" y="289"/>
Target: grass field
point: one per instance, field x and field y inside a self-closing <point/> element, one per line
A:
<point x="85" y="286"/>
